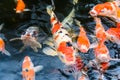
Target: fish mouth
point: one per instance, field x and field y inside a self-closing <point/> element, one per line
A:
<point x="93" y="13"/>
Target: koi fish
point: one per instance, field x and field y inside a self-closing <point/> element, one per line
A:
<point x="2" y="43"/>
<point x="102" y="56"/>
<point x="102" y="53"/>
<point x="99" y="30"/>
<point x="113" y="34"/>
<point x="28" y="69"/>
<point x="2" y="47"/>
<point x="62" y="41"/>
<point x="21" y="6"/>
<point x="30" y="38"/>
<point x="108" y="9"/>
<point x="77" y="69"/>
<point x="83" y="43"/>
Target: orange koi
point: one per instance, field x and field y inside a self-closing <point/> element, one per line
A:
<point x="113" y="34"/>
<point x="28" y="69"/>
<point x="83" y="42"/>
<point x="102" y="53"/>
<point x="2" y="44"/>
<point x="20" y="6"/>
<point x="99" y="30"/>
<point x="62" y="41"/>
<point x="2" y="47"/>
<point x="77" y="69"/>
<point x="108" y="9"/>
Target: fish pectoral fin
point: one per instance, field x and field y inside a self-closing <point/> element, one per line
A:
<point x="1" y="26"/>
<point x="49" y="51"/>
<point x="75" y="45"/>
<point x="27" y="9"/>
<point x="14" y="9"/>
<point x="38" y="68"/>
<point x="6" y="52"/>
<point x="93" y="45"/>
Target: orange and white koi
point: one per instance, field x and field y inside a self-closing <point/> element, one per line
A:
<point x="77" y="69"/>
<point x="108" y="9"/>
<point x="102" y="56"/>
<point x="2" y="47"/>
<point x="113" y="34"/>
<point x="2" y="44"/>
<point x="62" y="41"/>
<point x="30" y="38"/>
<point x="99" y="30"/>
<point x="102" y="53"/>
<point x="21" y="6"/>
<point x="83" y="43"/>
<point x="28" y="69"/>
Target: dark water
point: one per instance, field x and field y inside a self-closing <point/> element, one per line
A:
<point x="15" y="24"/>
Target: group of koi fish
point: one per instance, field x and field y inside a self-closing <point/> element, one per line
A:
<point x="61" y="43"/>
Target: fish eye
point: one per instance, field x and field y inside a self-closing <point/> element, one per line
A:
<point x="112" y="38"/>
<point x="68" y="44"/>
<point x="60" y="31"/>
<point x="102" y="11"/>
<point x="34" y="33"/>
<point x="23" y="33"/>
<point x="26" y="70"/>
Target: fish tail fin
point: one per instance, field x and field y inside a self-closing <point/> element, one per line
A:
<point x="6" y="52"/>
<point x="49" y="51"/>
<point x="38" y="68"/>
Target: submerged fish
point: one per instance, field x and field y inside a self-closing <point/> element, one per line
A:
<point x="62" y="41"/>
<point x="83" y="43"/>
<point x="28" y="69"/>
<point x="77" y="69"/>
<point x="99" y="30"/>
<point x="2" y="43"/>
<point x="21" y="6"/>
<point x="108" y="9"/>
<point x="30" y="38"/>
<point x="113" y="34"/>
<point x="2" y="48"/>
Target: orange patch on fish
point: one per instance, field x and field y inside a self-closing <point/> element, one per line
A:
<point x="20" y="6"/>
<point x="67" y="51"/>
<point x="106" y="5"/>
<point x="104" y="66"/>
<point x="56" y="27"/>
<point x="2" y="45"/>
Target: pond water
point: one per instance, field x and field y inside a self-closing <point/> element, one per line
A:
<point x="16" y="24"/>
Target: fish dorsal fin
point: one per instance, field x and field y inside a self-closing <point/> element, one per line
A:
<point x="38" y="68"/>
